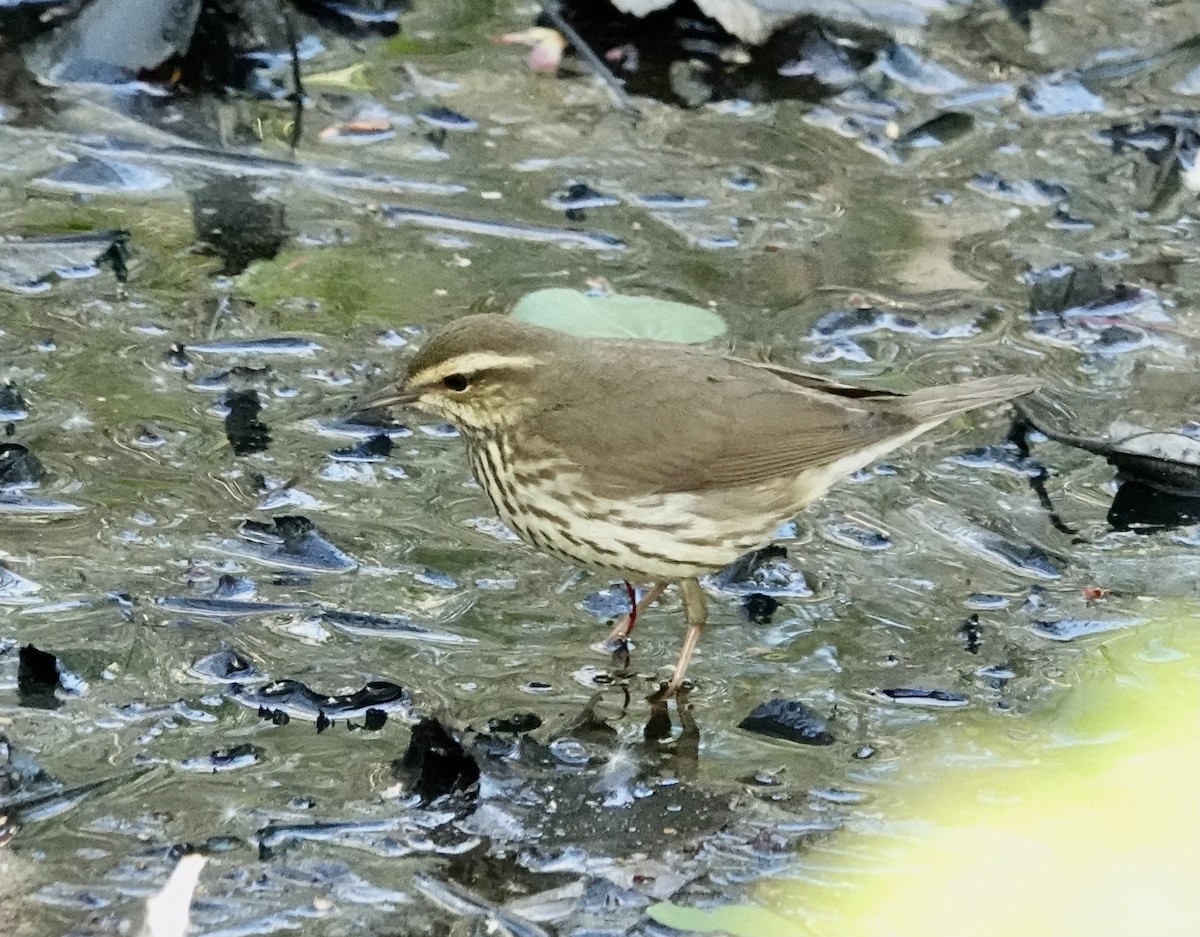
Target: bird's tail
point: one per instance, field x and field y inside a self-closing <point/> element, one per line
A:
<point x="934" y="404"/>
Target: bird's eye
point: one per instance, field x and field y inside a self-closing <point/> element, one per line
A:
<point x="455" y="382"/>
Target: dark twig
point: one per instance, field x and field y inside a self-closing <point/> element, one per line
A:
<point x="616" y="89"/>
<point x="1018" y="436"/>
<point x="289" y="30"/>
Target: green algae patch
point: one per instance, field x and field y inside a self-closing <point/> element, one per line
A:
<point x="314" y="288"/>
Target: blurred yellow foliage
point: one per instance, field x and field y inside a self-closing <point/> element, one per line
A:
<point x="1080" y="820"/>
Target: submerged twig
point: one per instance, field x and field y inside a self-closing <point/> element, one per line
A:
<point x="596" y="64"/>
<point x="289" y="29"/>
<point x="1018" y="435"/>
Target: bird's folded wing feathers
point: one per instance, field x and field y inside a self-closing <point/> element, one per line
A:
<point x="734" y="432"/>
<point x="815" y="381"/>
<point x="737" y="422"/>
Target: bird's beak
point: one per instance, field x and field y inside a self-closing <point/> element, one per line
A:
<point x="383" y="399"/>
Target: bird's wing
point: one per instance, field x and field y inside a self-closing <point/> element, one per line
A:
<point x="706" y="422"/>
<point x="816" y="381"/>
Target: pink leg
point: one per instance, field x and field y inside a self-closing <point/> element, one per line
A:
<point x="695" y="608"/>
<point x="625" y="623"/>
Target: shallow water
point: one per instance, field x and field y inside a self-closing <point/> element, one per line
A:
<point x="785" y="228"/>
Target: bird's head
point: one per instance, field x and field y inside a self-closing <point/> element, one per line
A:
<point x="480" y="373"/>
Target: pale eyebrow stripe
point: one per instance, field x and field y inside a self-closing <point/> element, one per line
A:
<point x="472" y="362"/>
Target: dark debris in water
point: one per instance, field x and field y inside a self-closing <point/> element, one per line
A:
<point x="214" y="47"/>
<point x="759" y="608"/>
<point x="766" y="572"/>
<point x="937" y="131"/>
<point x="576" y="197"/>
<point x="669" y="201"/>
<point x="233" y="587"/>
<point x="33" y="264"/>
<point x="177" y="358"/>
<point x="1021" y="10"/>
<point x="286" y="345"/>
<point x="857" y="536"/>
<point x="436" y="764"/>
<point x="864" y="320"/>
<point x="1030" y="192"/>
<point x="226" y="665"/>
<point x="18" y="772"/>
<point x="1167" y="460"/>
<point x="290" y="542"/>
<point x="296" y="699"/>
<point x="211" y="607"/>
<point x="247" y="434"/>
<point x="971" y="633"/>
<point x="42" y="680"/>
<point x="19" y="468"/>
<point x="28" y="794"/>
<point x="1070" y="305"/>
<point x="357" y="19"/>
<point x="913" y="696"/>
<point x="443" y="118"/>
<point x="683" y="57"/>
<point x="25" y="100"/>
<point x="1026" y="558"/>
<point x="516" y="724"/>
<point x="1065" y="286"/>
<point x="237" y="222"/>
<point x="222" y="760"/>
<point x="1170" y="144"/>
<point x="238" y="378"/>
<point x="376" y="448"/>
<point x="37" y="678"/>
<point x="366" y="624"/>
<point x="12" y="404"/>
<point x="1144" y="508"/>
<point x="1158" y="470"/>
<point x="790" y="720"/>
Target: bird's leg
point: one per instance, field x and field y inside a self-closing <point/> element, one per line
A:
<point x="620" y="655"/>
<point x="625" y="623"/>
<point x="695" y="609"/>
<point x="631" y="594"/>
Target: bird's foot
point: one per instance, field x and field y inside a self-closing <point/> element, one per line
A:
<point x="671" y="688"/>
<point x="620" y="655"/>
<point x="611" y="645"/>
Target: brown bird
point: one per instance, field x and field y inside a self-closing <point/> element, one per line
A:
<point x="655" y="461"/>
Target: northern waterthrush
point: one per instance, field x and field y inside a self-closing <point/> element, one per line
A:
<point x="655" y="461"/>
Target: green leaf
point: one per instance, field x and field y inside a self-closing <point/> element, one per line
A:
<point x="618" y="316"/>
